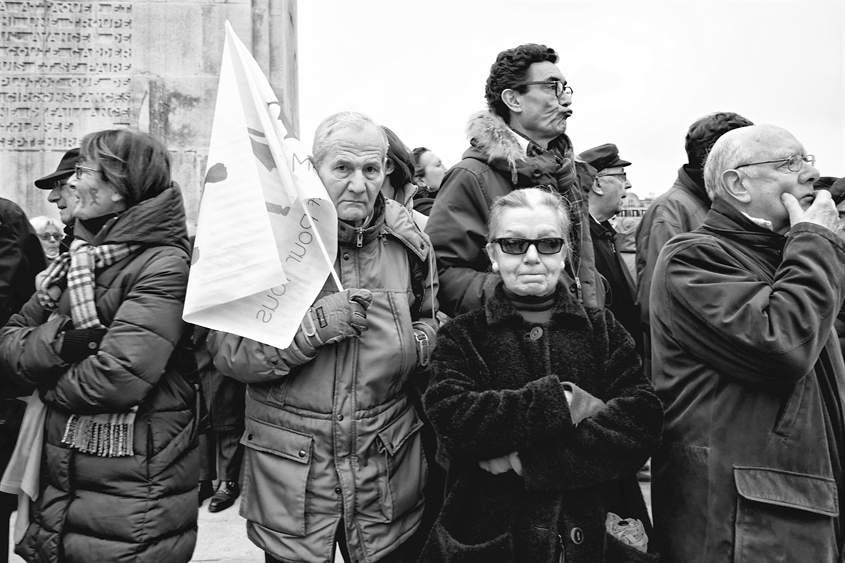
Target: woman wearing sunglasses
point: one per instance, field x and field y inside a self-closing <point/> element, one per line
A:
<point x="542" y="407"/>
<point x="104" y="343"/>
<point x="50" y="235"/>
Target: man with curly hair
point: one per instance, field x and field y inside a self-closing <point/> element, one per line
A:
<point x="679" y="210"/>
<point x="520" y="142"/>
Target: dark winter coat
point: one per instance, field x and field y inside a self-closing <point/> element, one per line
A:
<point x="751" y="374"/>
<point x="679" y="210"/>
<point x="140" y="508"/>
<point x="21" y="258"/>
<point x="496" y="389"/>
<point x="617" y="281"/>
<point x="495" y="165"/>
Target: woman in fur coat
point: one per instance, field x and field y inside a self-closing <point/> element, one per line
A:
<point x="543" y="408"/>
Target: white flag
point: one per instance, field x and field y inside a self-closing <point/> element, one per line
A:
<point x="267" y="230"/>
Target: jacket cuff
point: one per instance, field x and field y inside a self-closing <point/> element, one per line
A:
<point x="78" y="344"/>
<point x="583" y="404"/>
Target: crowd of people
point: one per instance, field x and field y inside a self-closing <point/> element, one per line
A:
<point x="488" y="386"/>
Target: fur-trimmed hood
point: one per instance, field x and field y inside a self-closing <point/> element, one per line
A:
<point x="494" y="142"/>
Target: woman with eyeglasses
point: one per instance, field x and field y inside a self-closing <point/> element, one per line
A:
<point x="104" y="344"/>
<point x="543" y="409"/>
<point x="50" y="234"/>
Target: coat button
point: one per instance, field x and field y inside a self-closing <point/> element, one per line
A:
<point x="249" y="437"/>
<point x="537" y="173"/>
<point x="536" y="333"/>
<point x="92" y="345"/>
<point x="337" y="490"/>
<point x="346" y="256"/>
<point x="577" y="535"/>
<point x="339" y="417"/>
<point x="301" y="453"/>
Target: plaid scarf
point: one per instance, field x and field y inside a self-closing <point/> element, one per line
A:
<point x="104" y="435"/>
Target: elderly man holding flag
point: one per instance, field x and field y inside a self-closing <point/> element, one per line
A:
<point x="333" y="451"/>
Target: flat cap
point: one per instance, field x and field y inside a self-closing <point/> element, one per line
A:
<point x="603" y="156"/>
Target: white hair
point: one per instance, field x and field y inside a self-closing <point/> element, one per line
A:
<point x="338" y="121"/>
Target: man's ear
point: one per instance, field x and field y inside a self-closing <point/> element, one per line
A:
<point x="389" y="166"/>
<point x="511" y="99"/>
<point x="596" y="187"/>
<point x="735" y="186"/>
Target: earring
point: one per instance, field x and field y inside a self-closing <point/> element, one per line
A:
<point x="494" y="266"/>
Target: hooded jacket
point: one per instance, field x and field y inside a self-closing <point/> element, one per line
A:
<point x="752" y="378"/>
<point x="337" y="436"/>
<point x="496" y="388"/>
<point x="143" y="507"/>
<point x="494" y="166"/>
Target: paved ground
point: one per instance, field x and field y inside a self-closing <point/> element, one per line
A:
<point x="222" y="537"/>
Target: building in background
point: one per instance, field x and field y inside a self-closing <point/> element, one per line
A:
<point x="70" y="68"/>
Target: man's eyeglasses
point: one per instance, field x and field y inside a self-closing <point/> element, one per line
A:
<point x="520" y="245"/>
<point x="82" y="169"/>
<point x="793" y="163"/>
<point x="51" y="236"/>
<point x="558" y="86"/>
<point x="621" y="175"/>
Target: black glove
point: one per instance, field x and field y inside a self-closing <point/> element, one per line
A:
<point x="79" y="343"/>
<point x="336" y="317"/>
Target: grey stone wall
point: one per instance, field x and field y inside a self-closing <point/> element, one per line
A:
<point x="68" y="68"/>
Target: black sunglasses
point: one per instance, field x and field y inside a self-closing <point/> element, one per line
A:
<point x="520" y="245"/>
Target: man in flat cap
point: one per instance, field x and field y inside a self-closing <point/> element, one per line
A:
<point x="608" y="190"/>
<point x="61" y="194"/>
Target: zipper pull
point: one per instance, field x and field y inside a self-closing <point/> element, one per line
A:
<point x="560" y="544"/>
<point x="359" y="240"/>
<point x="578" y="289"/>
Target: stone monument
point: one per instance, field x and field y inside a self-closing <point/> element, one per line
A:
<point x="68" y="68"/>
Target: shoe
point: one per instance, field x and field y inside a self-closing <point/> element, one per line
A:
<point x="227" y="492"/>
<point x="204" y="491"/>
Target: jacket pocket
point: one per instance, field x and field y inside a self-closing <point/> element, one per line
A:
<point x="277" y="461"/>
<point x="402" y="467"/>
<point x="784" y="516"/>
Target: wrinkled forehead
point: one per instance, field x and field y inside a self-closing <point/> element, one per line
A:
<point x="364" y="140"/>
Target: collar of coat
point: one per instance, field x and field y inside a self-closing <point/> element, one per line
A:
<point x="500" y="309"/>
<point x="389" y="218"/>
<point x="158" y="221"/>
<point x="690" y="179"/>
<point x="496" y="143"/>
<point x="601" y="230"/>
<point x="727" y="221"/>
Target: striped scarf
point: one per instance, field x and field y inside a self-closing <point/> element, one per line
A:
<point x="104" y="435"/>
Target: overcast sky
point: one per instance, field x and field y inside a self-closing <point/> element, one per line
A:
<point x="642" y="71"/>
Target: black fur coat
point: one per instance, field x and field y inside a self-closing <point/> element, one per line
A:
<point x="496" y="389"/>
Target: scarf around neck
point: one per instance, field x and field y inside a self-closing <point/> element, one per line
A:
<point x="104" y="435"/>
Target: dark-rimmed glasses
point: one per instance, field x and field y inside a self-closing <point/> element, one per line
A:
<point x="793" y="163"/>
<point x="558" y="86"/>
<point x="51" y="236"/>
<point x="551" y="245"/>
<point x="81" y="169"/>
